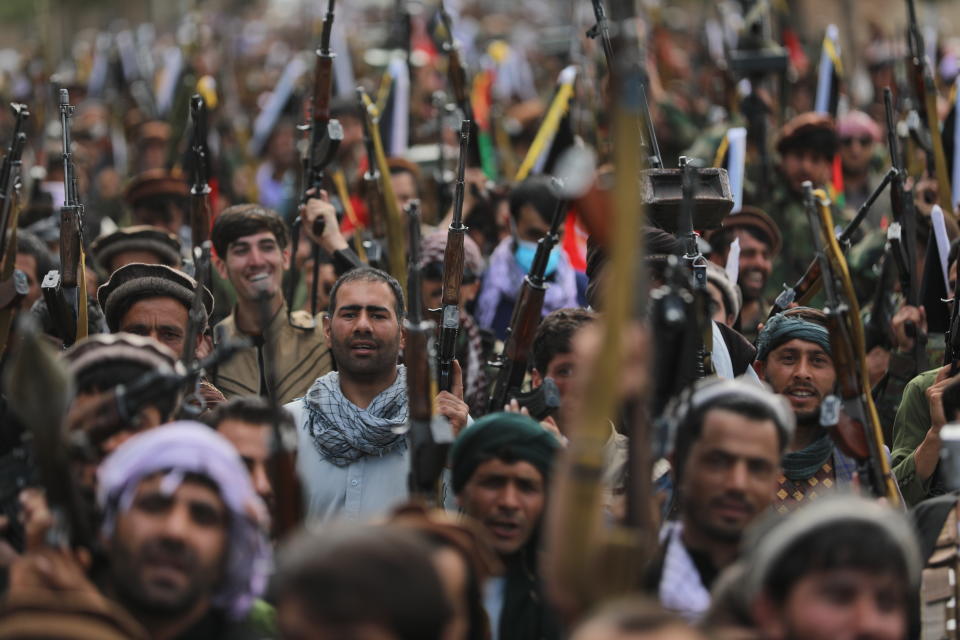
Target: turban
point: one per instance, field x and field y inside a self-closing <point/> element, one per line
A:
<point x="182" y="448"/>
<point x="784" y="328"/>
<point x="501" y="435"/>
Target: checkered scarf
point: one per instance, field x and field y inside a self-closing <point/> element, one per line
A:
<point x="681" y="588"/>
<point x="343" y="432"/>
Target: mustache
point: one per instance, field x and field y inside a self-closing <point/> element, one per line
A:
<point x="169" y="552"/>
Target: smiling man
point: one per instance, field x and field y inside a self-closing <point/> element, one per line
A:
<point x="352" y="452"/>
<point x="793" y="357"/>
<point x="729" y="438"/>
<point x="501" y="467"/>
<point x="252" y="250"/>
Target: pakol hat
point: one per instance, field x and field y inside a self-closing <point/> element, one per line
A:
<point x="137" y="281"/>
<point x="163" y="244"/>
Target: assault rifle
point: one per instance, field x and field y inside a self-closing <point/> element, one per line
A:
<point x="197" y="320"/>
<point x="902" y="233"/>
<point x="809" y="283"/>
<point x="697" y="264"/>
<point x="925" y="91"/>
<point x="602" y="30"/>
<point x="325" y="135"/>
<point x="514" y="359"/>
<point x="453" y="264"/>
<point x="429" y="435"/>
<point x="120" y="408"/>
<point x="65" y="291"/>
<point x="850" y="415"/>
<point x="199" y="185"/>
<point x="456" y="73"/>
<point x="13" y="282"/>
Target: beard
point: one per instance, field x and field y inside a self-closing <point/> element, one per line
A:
<point x="137" y="590"/>
<point x="380" y="361"/>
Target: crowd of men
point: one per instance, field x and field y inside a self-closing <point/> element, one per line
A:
<point x="214" y="430"/>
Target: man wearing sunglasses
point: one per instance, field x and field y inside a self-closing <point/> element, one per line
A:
<point x="863" y="161"/>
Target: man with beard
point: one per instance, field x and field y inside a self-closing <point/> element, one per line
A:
<point x="729" y="437"/>
<point x="843" y="567"/>
<point x="760" y="244"/>
<point x="793" y="357"/>
<point x="501" y="468"/>
<point x="806" y="145"/>
<point x="352" y="452"/>
<point x="184" y="535"/>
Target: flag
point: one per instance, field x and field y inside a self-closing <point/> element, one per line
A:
<point x="394" y="103"/>
<point x="732" y="156"/>
<point x="829" y="74"/>
<point x="935" y="285"/>
<point x="267" y="118"/>
<point x="543" y="148"/>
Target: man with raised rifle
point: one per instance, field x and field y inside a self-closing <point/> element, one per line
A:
<point x="474" y="348"/>
<point x="532" y="206"/>
<point x="806" y="145"/>
<point x="352" y="452"/>
<point x="252" y="251"/>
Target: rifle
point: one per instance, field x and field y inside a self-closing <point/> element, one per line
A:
<point x="902" y="233"/>
<point x="394" y="218"/>
<point x="602" y="30"/>
<point x="199" y="187"/>
<point x="453" y="262"/>
<point x="429" y="435"/>
<point x="593" y="560"/>
<point x="698" y="268"/>
<point x="287" y="507"/>
<point x="373" y="197"/>
<point x="13" y="282"/>
<point x="515" y="357"/>
<point x="456" y="73"/>
<point x="849" y="414"/>
<point x="925" y="91"/>
<point x="66" y="291"/>
<point x="809" y="283"/>
<point x="197" y="321"/>
<point x="43" y="388"/>
<point x="119" y="408"/>
<point x="325" y="137"/>
<point x="878" y="332"/>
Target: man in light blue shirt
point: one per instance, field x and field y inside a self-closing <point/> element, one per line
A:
<point x="352" y="454"/>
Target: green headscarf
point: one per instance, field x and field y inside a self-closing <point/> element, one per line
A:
<point x="501" y="435"/>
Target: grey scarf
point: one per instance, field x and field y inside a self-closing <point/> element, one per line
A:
<point x="343" y="432"/>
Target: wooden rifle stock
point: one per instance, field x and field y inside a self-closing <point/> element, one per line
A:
<point x="453" y="264"/>
<point x="428" y="452"/>
<point x="851" y="415"/>
<point x="526" y="315"/>
<point x="925" y="92"/>
<point x="395" y="236"/>
<point x="13" y="282"/>
<point x="809" y="283"/>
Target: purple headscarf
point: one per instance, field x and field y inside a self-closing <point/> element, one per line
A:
<point x="182" y="448"/>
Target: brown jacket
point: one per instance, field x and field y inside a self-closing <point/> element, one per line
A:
<point x="301" y="355"/>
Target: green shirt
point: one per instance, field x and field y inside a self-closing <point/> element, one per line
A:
<point x="909" y="428"/>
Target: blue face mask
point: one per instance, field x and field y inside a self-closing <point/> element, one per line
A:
<point x="526" y="250"/>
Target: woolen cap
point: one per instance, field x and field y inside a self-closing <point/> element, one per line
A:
<point x="140" y="281"/>
<point x="163" y="244"/>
